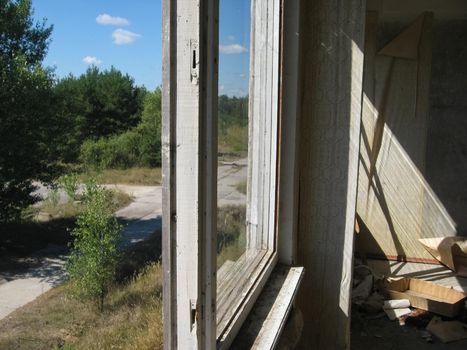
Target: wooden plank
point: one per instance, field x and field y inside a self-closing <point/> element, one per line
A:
<point x="237" y="294"/>
<point x="332" y="73"/>
<point x="189" y="175"/>
<point x="168" y="172"/>
<point x="263" y="126"/>
<point x="287" y="203"/>
<point x="252" y="293"/>
<point x="208" y="56"/>
<point x="266" y="320"/>
<point x="427" y="272"/>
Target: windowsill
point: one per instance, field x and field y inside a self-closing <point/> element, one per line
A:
<point x="265" y="322"/>
<point x="236" y="288"/>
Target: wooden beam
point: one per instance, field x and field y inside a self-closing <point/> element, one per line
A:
<point x="189" y="174"/>
<point x="168" y="172"/>
<point x="263" y="327"/>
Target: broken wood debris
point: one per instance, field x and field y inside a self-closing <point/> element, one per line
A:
<point x="450" y="251"/>
<point x="447" y="331"/>
<point x="413" y="302"/>
<point x="427" y="296"/>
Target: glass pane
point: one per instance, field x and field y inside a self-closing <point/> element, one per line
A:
<point x="233" y="124"/>
<point x="234" y="39"/>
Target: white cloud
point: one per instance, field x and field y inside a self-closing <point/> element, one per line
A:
<point x="106" y="19"/>
<point x="242" y="75"/>
<point x="230" y="37"/>
<point x="92" y="60"/>
<point x="123" y="37"/>
<point x="233" y="49"/>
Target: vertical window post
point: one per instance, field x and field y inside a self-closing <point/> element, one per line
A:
<point x="189" y="172"/>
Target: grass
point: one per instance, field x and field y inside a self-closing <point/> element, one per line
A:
<point x="233" y="143"/>
<point x="132" y="317"/>
<point x="71" y="209"/>
<point x="231" y="233"/>
<point x="132" y="176"/>
<point x="241" y="186"/>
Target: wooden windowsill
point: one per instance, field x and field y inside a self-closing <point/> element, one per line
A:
<point x="264" y="324"/>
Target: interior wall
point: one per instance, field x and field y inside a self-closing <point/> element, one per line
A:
<point x="446" y="156"/>
<point x="422" y="166"/>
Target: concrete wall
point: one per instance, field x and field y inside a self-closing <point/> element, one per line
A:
<point x="421" y="184"/>
<point x="446" y="157"/>
<point x="331" y="69"/>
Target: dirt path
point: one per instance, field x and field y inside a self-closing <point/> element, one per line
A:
<point x="141" y="218"/>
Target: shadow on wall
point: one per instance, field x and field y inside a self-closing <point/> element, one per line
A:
<point x="419" y="181"/>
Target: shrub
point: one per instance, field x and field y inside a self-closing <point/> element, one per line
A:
<point x="70" y="184"/>
<point x="231" y="225"/>
<point x="140" y="146"/>
<point x="235" y="139"/>
<point x="133" y="148"/>
<point x="94" y="254"/>
<point x="53" y="197"/>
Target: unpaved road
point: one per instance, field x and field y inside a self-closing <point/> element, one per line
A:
<point x="141" y="218"/>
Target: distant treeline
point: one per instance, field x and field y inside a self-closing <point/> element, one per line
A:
<point x="233" y="125"/>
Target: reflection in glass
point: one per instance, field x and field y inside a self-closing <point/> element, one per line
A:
<point x="233" y="126"/>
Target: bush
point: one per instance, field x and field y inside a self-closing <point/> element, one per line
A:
<point x="140" y="146"/>
<point x="134" y="148"/>
<point x="70" y="184"/>
<point x="120" y="151"/>
<point x="231" y="226"/>
<point x="94" y="255"/>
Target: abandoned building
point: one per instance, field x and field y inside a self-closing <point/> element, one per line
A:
<point x="357" y="151"/>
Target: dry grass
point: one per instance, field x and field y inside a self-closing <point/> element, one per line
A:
<point x="72" y="209"/>
<point x="231" y="233"/>
<point x="132" y="319"/>
<point x="241" y="186"/>
<point x="132" y="176"/>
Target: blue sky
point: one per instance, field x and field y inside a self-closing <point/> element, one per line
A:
<point x="127" y="35"/>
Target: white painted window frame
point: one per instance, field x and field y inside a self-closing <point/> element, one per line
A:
<point x="190" y="64"/>
<point x="241" y="285"/>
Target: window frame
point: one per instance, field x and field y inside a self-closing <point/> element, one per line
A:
<point x="260" y="256"/>
<point x="190" y="34"/>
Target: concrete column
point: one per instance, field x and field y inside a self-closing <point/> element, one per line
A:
<point x="332" y="69"/>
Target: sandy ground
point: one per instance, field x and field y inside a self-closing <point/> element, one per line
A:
<point x="141" y="218"/>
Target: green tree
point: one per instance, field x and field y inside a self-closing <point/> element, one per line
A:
<point x="25" y="99"/>
<point x="150" y="130"/>
<point x="94" y="105"/>
<point x="232" y="111"/>
<point x="140" y="146"/>
<point x="94" y="254"/>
